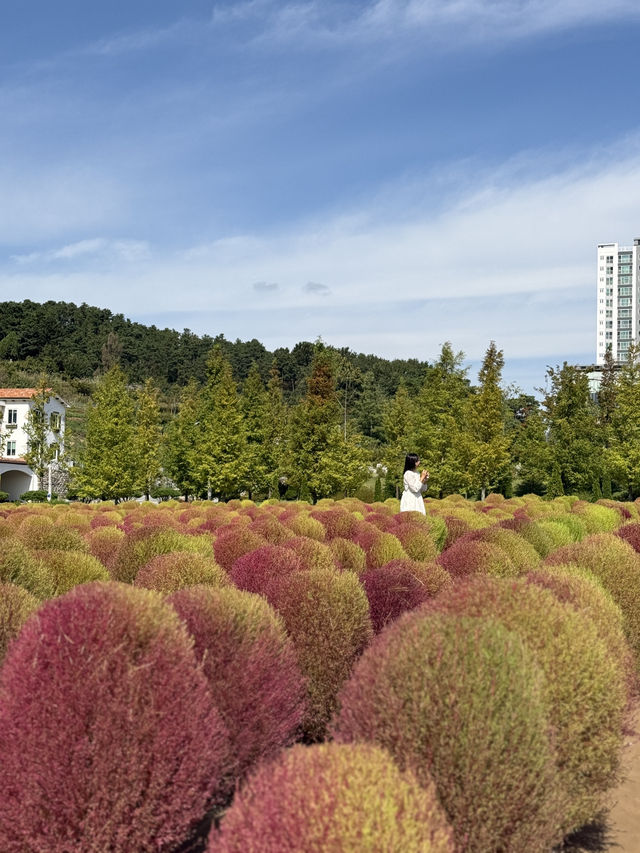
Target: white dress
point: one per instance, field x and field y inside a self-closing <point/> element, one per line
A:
<point x="412" y="495"/>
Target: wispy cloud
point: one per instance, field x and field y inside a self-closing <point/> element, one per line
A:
<point x="316" y="288"/>
<point x="265" y="286"/>
<point x="128" y="251"/>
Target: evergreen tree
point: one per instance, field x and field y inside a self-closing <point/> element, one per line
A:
<point x="574" y="440"/>
<point x="276" y="430"/>
<point x="10" y="347"/>
<point x="529" y="451"/>
<point x="320" y="460"/>
<point x="41" y="449"/>
<point x="399" y="422"/>
<point x="625" y="424"/>
<point x="180" y="442"/>
<point x="107" y="468"/>
<point x="220" y="464"/>
<point x="440" y="435"/>
<point x="370" y="409"/>
<point x="490" y="458"/>
<point x="147" y="438"/>
<point x="255" y="404"/>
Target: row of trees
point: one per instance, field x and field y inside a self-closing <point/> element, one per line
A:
<point x="225" y="439"/>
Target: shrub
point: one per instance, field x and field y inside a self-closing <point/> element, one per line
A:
<point x="327" y="616"/>
<point x="532" y="532"/>
<point x="40" y="533"/>
<point x="583" y="592"/>
<point x="461" y="701"/>
<point x="399" y="586"/>
<point x="66" y="569"/>
<point x="255" y="571"/>
<point x="521" y="552"/>
<point x="336" y="522"/>
<point x="468" y="557"/>
<point x="456" y="529"/>
<point x="597" y="519"/>
<point x="102" y="689"/>
<point x="416" y="541"/>
<point x="333" y="797"/>
<point x="4" y="497"/>
<point x="630" y="533"/>
<point x="271" y="529"/>
<point x="384" y="549"/>
<point x="585" y="690"/>
<point x="348" y="555"/>
<point x="383" y="521"/>
<point x="104" y="544"/>
<point x="558" y="532"/>
<point x="617" y="566"/>
<point x="438" y="530"/>
<point x="36" y="496"/>
<point x="143" y="544"/>
<point x="233" y="543"/>
<point x="16" y="605"/>
<point x="574" y="523"/>
<point x="170" y="572"/>
<point x="302" y="524"/>
<point x="251" y="667"/>
<point x="20" y="566"/>
<point x="313" y="554"/>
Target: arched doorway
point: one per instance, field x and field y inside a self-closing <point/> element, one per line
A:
<point x="15" y="482"/>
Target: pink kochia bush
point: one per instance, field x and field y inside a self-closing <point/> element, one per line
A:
<point x="460" y="701"/>
<point x="108" y="733"/>
<point x="234" y="541"/>
<point x="468" y="557"/>
<point x="400" y="586"/>
<point x="251" y="667"/>
<point x="326" y="614"/>
<point x="333" y="797"/>
<point x="255" y="571"/>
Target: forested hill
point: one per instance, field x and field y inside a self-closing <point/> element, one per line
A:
<point x="76" y="341"/>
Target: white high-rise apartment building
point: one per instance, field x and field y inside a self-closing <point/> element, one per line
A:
<point x="618" y="299"/>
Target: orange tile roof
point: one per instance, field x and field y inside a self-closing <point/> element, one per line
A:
<point x="18" y="393"/>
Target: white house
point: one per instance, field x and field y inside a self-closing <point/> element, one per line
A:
<point x="16" y="477"/>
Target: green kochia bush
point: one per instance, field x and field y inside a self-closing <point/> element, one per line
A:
<point x="20" y="566"/>
<point x="40" y="533"/>
<point x="16" y="604"/>
<point x="348" y="555"/>
<point x="143" y="544"/>
<point x="251" y="667"/>
<point x="170" y="572"/>
<point x="66" y="569"/>
<point x="617" y="567"/>
<point x="330" y="797"/>
<point x="584" y="687"/>
<point x="108" y="733"/>
<point x="327" y="616"/>
<point x="461" y="701"/>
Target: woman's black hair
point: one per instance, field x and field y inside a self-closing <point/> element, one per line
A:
<point x="410" y="462"/>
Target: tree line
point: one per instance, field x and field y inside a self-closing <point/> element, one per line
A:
<point x="227" y="438"/>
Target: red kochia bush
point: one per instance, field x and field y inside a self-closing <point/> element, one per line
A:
<point x="254" y="571"/>
<point x="108" y="733"/>
<point x="460" y="701"/>
<point x="233" y="542"/>
<point x="399" y="586"/>
<point x="333" y="797"/>
<point x="251" y="666"/>
<point x="469" y="557"/>
<point x="630" y="533"/>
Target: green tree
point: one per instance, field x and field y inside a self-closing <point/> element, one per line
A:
<point x="529" y="451"/>
<point x="10" y="347"/>
<point x="276" y="430"/>
<point x="370" y="409"/>
<point x="255" y="410"/>
<point x="440" y="434"/>
<point x="399" y="421"/>
<point x="220" y="463"/>
<point x="42" y="449"/>
<point x="147" y="438"/>
<point x="180" y="441"/>
<point x="320" y="459"/>
<point x="107" y="467"/>
<point x="625" y="425"/>
<point x="574" y="440"/>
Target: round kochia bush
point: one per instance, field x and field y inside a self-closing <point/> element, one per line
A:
<point x="170" y="572"/>
<point x="327" y="616"/>
<point x="233" y="542"/>
<point x="143" y="544"/>
<point x="250" y="665"/>
<point x="16" y="604"/>
<point x="400" y="586"/>
<point x="108" y="733"/>
<point x="20" y="566"/>
<point x="39" y="532"/>
<point x="584" y="687"/>
<point x="617" y="567"/>
<point x="66" y="569"/>
<point x="460" y="701"/>
<point x="255" y="571"/>
<point x="469" y="557"/>
<point x="332" y="797"/>
<point x="104" y="543"/>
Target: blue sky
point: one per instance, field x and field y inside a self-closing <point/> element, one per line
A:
<point x="386" y="175"/>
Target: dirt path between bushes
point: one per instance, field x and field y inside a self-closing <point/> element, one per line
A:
<point x="624" y="817"/>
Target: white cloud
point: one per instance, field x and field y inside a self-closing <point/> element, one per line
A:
<point x="511" y="259"/>
<point x="128" y="251"/>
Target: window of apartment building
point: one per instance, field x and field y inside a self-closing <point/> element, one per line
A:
<point x="624" y="312"/>
<point x="624" y="324"/>
<point x="12" y="416"/>
<point x="624" y="279"/>
<point x="609" y="259"/>
<point x="609" y="335"/>
<point x="609" y="313"/>
<point x="624" y="291"/>
<point x="609" y="291"/>
<point x="609" y="270"/>
<point x="609" y="302"/>
<point x="624" y="334"/>
<point x="624" y="301"/>
<point x="609" y="324"/>
<point x="11" y="448"/>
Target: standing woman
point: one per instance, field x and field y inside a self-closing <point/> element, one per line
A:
<point x="414" y="485"/>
